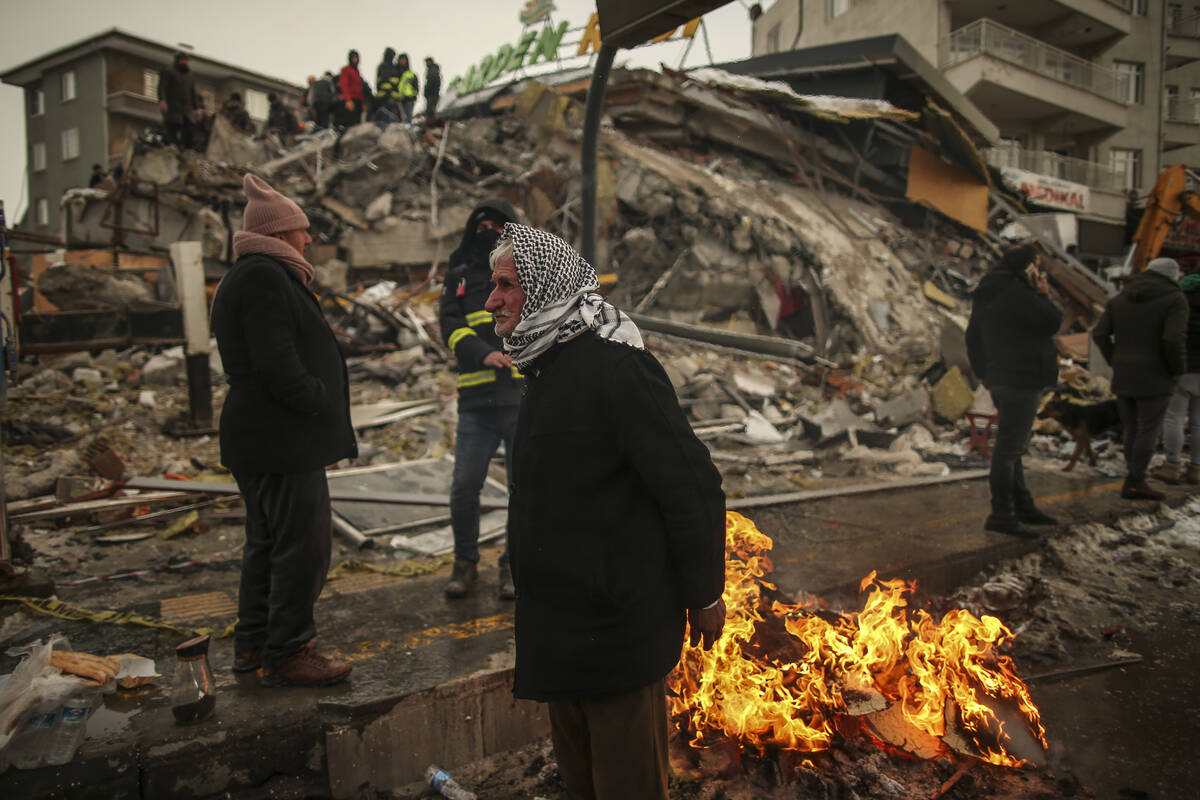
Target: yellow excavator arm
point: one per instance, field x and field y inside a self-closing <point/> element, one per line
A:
<point x="1170" y="200"/>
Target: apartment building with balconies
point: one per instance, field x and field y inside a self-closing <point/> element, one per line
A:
<point x="1098" y="93"/>
<point x="85" y="99"/>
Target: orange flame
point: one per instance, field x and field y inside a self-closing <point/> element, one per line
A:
<point x="781" y="674"/>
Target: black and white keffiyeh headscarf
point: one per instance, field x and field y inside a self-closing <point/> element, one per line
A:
<point x="561" y="301"/>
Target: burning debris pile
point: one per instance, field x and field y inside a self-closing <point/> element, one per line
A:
<point x="794" y="677"/>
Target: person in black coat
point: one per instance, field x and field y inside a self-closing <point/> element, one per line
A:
<point x="179" y="102"/>
<point x="1185" y="402"/>
<point x="285" y="418"/>
<point x="1010" y="344"/>
<point x="489" y="389"/>
<point x="1143" y="336"/>
<point x="616" y="521"/>
<point x="433" y="88"/>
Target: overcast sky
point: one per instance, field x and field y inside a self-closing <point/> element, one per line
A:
<point x="294" y="39"/>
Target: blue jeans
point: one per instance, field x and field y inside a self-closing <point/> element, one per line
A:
<point x="1183" y="408"/>
<point x="1015" y="413"/>
<point x="480" y="431"/>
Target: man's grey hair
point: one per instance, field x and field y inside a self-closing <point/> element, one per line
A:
<point x="504" y="248"/>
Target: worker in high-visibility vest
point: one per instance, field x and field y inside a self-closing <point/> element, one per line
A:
<point x="408" y="86"/>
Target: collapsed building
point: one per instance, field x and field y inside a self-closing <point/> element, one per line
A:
<point x="842" y="229"/>
<point x="801" y="265"/>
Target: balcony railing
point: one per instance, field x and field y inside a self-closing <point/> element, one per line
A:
<point x="999" y="41"/>
<point x="1180" y="109"/>
<point x="1125" y="4"/>
<point x="1054" y="165"/>
<point x="1180" y="25"/>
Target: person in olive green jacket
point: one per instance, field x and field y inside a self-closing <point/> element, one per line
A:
<point x="1143" y="336"/>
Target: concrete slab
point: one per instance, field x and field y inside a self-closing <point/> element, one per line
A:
<point x="431" y="680"/>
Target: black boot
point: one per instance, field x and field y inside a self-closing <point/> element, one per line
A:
<point x="1032" y="515"/>
<point x="1138" y="489"/>
<point x="1010" y="525"/>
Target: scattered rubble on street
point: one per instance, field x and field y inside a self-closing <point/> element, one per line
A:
<point x="809" y="313"/>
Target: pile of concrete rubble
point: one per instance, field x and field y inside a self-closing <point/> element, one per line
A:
<point x="810" y="316"/>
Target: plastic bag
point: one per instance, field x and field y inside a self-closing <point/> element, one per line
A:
<point x="33" y="682"/>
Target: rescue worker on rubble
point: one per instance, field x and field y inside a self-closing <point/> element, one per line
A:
<point x="179" y="102"/>
<point x="320" y="99"/>
<point x="616" y="521"/>
<point x="281" y="120"/>
<point x="286" y="417"/>
<point x="350" y="82"/>
<point x="1010" y="344"/>
<point x="408" y="86"/>
<point x="489" y="389"/>
<point x="235" y="112"/>
<point x="433" y="88"/>
<point x="387" y="88"/>
<point x="1143" y="335"/>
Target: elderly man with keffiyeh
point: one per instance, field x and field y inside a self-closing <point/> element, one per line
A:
<point x="286" y="416"/>
<point x="616" y="521"/>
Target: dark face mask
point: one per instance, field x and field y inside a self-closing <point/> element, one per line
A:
<point x="484" y="242"/>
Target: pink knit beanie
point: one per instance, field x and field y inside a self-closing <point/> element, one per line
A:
<point x="267" y="211"/>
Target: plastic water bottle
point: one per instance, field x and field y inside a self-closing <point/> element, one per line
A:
<point x="68" y="733"/>
<point x="440" y="780"/>
<point x="29" y="749"/>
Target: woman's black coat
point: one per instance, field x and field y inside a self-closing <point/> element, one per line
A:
<point x="288" y="405"/>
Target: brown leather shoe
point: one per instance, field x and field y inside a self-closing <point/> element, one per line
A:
<point x="307" y="667"/>
<point x="247" y="660"/>
<point x="462" y="578"/>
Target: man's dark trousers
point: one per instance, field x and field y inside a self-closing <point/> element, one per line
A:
<point x="1142" y="419"/>
<point x="614" y="747"/>
<point x="284" y="562"/>
<point x="1015" y="413"/>
<point x="479" y="433"/>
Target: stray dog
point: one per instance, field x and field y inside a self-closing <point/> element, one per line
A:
<point x="1083" y="422"/>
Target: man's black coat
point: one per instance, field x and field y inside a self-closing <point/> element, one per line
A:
<point x="616" y="523"/>
<point x="1010" y="338"/>
<point x="1143" y="335"/>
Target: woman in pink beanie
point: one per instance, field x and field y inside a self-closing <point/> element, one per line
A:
<point x="286" y="416"/>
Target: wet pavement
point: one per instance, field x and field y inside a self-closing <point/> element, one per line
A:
<point x="430" y="681"/>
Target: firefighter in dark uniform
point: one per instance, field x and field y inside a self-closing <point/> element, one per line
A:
<point x="489" y="389"/>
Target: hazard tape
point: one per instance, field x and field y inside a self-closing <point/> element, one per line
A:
<point x="57" y="608"/>
<point x="404" y="569"/>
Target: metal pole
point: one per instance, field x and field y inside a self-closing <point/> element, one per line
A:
<point x="8" y="305"/>
<point x="591" y="131"/>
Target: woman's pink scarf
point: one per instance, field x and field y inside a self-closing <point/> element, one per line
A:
<point x="245" y="243"/>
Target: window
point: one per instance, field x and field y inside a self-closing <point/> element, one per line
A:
<point x="256" y="104"/>
<point x="773" y="39"/>
<point x="1129" y="80"/>
<point x="39" y="156"/>
<point x="1171" y="105"/>
<point x="838" y="7"/>
<point x="70" y="144"/>
<point x="1195" y="117"/>
<point x="1139" y="8"/>
<point x="68" y="85"/>
<point x="150" y="83"/>
<point x="43" y="212"/>
<point x="1174" y="15"/>
<point x="1127" y="163"/>
<point x="37" y="102"/>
